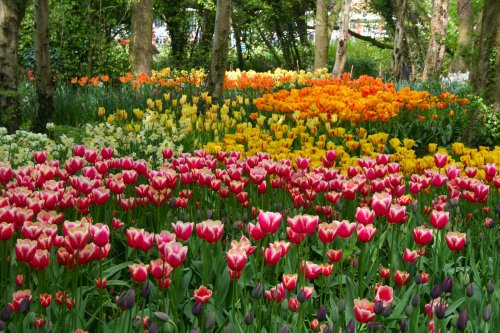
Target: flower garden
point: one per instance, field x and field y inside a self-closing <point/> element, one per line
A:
<point x="295" y="203"/>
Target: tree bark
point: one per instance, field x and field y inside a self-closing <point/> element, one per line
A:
<point x="141" y="48"/>
<point x="464" y="45"/>
<point x="482" y="69"/>
<point x="11" y="13"/>
<point x="239" y="48"/>
<point x="43" y="75"/>
<point x="220" y="48"/>
<point x="341" y="55"/>
<point x="321" y="37"/>
<point x="399" y="32"/>
<point x="176" y="18"/>
<point x="436" y="48"/>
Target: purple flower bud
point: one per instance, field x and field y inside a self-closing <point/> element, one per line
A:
<point x="462" y="320"/>
<point x="249" y="318"/>
<point x="487" y="313"/>
<point x="127" y="299"/>
<point x="469" y="291"/>
<point x="321" y="315"/>
<point x="351" y="326"/>
<point x="415" y="301"/>
<point x="403" y="325"/>
<point x="447" y="284"/>
<point x="379" y="306"/>
<point x="440" y="311"/>
<point x="436" y="291"/>
<point x="197" y="307"/>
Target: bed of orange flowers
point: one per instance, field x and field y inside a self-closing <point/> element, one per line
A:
<point x="364" y="99"/>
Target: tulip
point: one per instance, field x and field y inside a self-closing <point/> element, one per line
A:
<point x="293" y="304"/>
<point x="272" y="254"/>
<point x="396" y="214"/>
<point x="101" y="283"/>
<point x="327" y="232"/>
<point x="18" y="298"/>
<point x="173" y="253"/>
<point x="202" y="295"/>
<point x="269" y="222"/>
<point x="381" y="203"/>
<point x="401" y="277"/>
<point x="25" y="249"/>
<point x="236" y="259"/>
<point x="183" y="230"/>
<point x="310" y="270"/>
<point x="384" y="294"/>
<point x="422" y="236"/>
<point x="308" y="292"/>
<point x="139" y="272"/>
<point x="294" y="237"/>
<point x="455" y="241"/>
<point x="363" y="310"/>
<point x="366" y="232"/>
<point x="40" y="260"/>
<point x="303" y="224"/>
<point x="290" y="281"/>
<point x="440" y="160"/>
<point x="345" y="228"/>
<point x="100" y="234"/>
<point x="410" y="256"/>
<point x="334" y="255"/>
<point x="45" y="300"/>
<point x="127" y="299"/>
<point x="139" y="239"/>
<point x="276" y="294"/>
<point x="210" y="231"/>
<point x="6" y="231"/>
<point x="365" y="215"/>
<point x="439" y="219"/>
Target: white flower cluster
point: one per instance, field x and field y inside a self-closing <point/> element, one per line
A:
<point x="455" y="78"/>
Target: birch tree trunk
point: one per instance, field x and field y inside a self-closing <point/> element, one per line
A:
<point x="43" y="75"/>
<point x="341" y="55"/>
<point x="141" y="48"/>
<point x="11" y="13"/>
<point x="321" y="37"/>
<point x="399" y="32"/>
<point x="220" y="48"/>
<point x="464" y="45"/>
<point x="436" y="48"/>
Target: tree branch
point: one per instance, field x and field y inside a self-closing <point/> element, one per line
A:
<point x="370" y="40"/>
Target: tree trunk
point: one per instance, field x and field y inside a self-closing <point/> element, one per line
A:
<point x="487" y="37"/>
<point x="176" y="18"/>
<point x="399" y="32"/>
<point x="321" y="36"/>
<point x="341" y="55"/>
<point x="436" y="48"/>
<point x="463" y="52"/>
<point x="11" y="13"/>
<point x="220" y="48"/>
<point x="43" y="75"/>
<point x="141" y="48"/>
<point x="239" y="48"/>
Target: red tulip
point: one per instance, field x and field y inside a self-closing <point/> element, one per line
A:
<point x="293" y="304"/>
<point x="117" y="224"/>
<point x="76" y="234"/>
<point x="164" y="237"/>
<point x="101" y="283"/>
<point x="272" y="254"/>
<point x="202" y="294"/>
<point x="269" y="222"/>
<point x="100" y="234"/>
<point x="327" y="232"/>
<point x="294" y="237"/>
<point x="326" y="269"/>
<point x="364" y="215"/>
<point x="310" y="269"/>
<point x="25" y="249"/>
<point x="401" y="277"/>
<point x="396" y="214"/>
<point x="334" y="255"/>
<point x="40" y="156"/>
<point x="40" y="260"/>
<point x="381" y="203"/>
<point x="302" y="162"/>
<point x="345" y="228"/>
<point x="276" y="294"/>
<point x="308" y="291"/>
<point x="139" y="239"/>
<point x="384" y="272"/>
<point x="236" y="259"/>
<point x="209" y="230"/>
<point x="363" y="310"/>
<point x="18" y="297"/>
<point x="290" y="281"/>
<point x="439" y="219"/>
<point x="6" y="231"/>
<point x="303" y="224"/>
<point x="440" y="160"/>
<point x="455" y="240"/>
<point x="243" y="244"/>
<point x="45" y="300"/>
<point x="366" y="232"/>
<point x="139" y="272"/>
<point x="173" y="253"/>
<point x="384" y="294"/>
<point x="183" y="230"/>
<point x="19" y="280"/>
<point x="422" y="236"/>
<point x="255" y="231"/>
<point x="410" y="256"/>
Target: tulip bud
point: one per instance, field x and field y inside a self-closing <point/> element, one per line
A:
<point x="127" y="299"/>
<point x="209" y="214"/>
<point x="403" y="325"/>
<point x="374" y="326"/>
<point x="469" y="291"/>
<point x="409" y="310"/>
<point x="314" y="324"/>
<point x="387" y="310"/>
<point x="257" y="291"/>
<point x="244" y="218"/>
<point x="195" y="330"/>
<point x="351" y="327"/>
<point x="249" y="318"/>
<point x="447" y="284"/>
<point x="223" y="220"/>
<point x="440" y="311"/>
<point x="162" y="316"/>
<point x="466" y="278"/>
<point x="415" y="301"/>
<point x="153" y="328"/>
<point x="462" y="319"/>
<point x="136" y="324"/>
<point x="302" y="296"/>
<point x="436" y="291"/>
<point x="341" y="305"/>
<point x="279" y="207"/>
<point x="321" y="315"/>
<point x="210" y="321"/>
<point x="328" y="329"/>
<point x="418" y="278"/>
<point x="487" y="313"/>
<point x="5" y="316"/>
<point x="379" y="306"/>
<point x="197" y="216"/>
<point x="490" y="287"/>
<point x="197" y="307"/>
<point x="146" y="290"/>
<point x="24" y="307"/>
<point x="173" y="202"/>
<point x="284" y="329"/>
